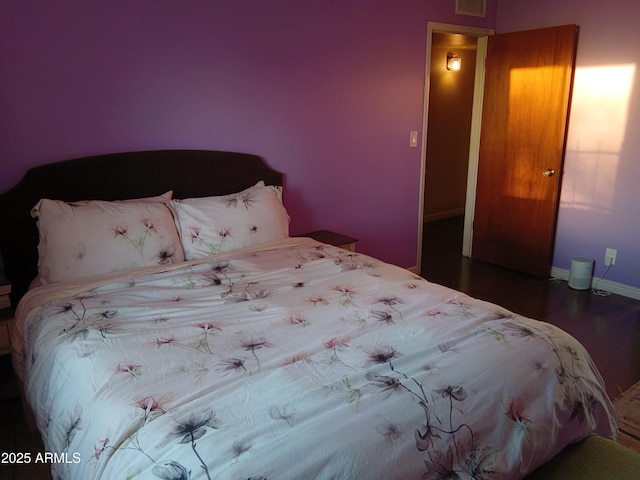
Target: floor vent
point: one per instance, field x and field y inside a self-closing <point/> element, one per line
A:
<point x="474" y="8"/>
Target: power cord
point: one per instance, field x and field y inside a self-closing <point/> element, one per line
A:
<point x="595" y="290"/>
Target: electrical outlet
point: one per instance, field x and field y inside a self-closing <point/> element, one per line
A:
<point x="610" y="256"/>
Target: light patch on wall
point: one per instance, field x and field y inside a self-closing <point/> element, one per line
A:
<point x="599" y="116"/>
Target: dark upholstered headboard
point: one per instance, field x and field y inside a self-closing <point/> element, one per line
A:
<point x="119" y="176"/>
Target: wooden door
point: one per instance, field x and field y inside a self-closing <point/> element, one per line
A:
<point x="528" y="80"/>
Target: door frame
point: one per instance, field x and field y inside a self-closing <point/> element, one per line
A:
<point x="476" y="120"/>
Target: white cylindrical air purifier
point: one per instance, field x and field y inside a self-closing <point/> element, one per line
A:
<point x="581" y="273"/>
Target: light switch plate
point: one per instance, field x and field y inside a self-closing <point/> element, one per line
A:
<point x="413" y="138"/>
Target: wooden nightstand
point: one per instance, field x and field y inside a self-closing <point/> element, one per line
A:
<point x="8" y="384"/>
<point x="6" y="316"/>
<point x="333" y="238"/>
<point x="5" y="341"/>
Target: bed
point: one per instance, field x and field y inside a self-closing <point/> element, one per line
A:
<point x="227" y="349"/>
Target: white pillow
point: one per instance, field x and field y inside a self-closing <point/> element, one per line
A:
<point x="94" y="237"/>
<point x="210" y="225"/>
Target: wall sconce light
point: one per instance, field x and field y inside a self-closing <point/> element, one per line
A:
<point x="454" y="62"/>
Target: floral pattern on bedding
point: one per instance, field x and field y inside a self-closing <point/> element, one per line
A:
<point x="302" y="360"/>
<point x="210" y="225"/>
<point x="94" y="237"/>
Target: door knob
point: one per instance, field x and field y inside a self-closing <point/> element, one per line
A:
<point x="549" y="172"/>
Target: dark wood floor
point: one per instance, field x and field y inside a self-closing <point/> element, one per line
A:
<point x="608" y="326"/>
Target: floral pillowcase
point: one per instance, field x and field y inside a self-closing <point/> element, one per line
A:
<point x="84" y="238"/>
<point x="94" y="237"/>
<point x="210" y="225"/>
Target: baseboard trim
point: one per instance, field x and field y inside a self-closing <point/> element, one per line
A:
<point x="432" y="217"/>
<point x="606" y="285"/>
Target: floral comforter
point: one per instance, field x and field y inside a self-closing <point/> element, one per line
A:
<point x="297" y="361"/>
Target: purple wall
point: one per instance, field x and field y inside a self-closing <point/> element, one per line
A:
<point x="325" y="91"/>
<point x="600" y="201"/>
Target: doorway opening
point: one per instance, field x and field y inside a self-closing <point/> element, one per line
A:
<point x="453" y="108"/>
